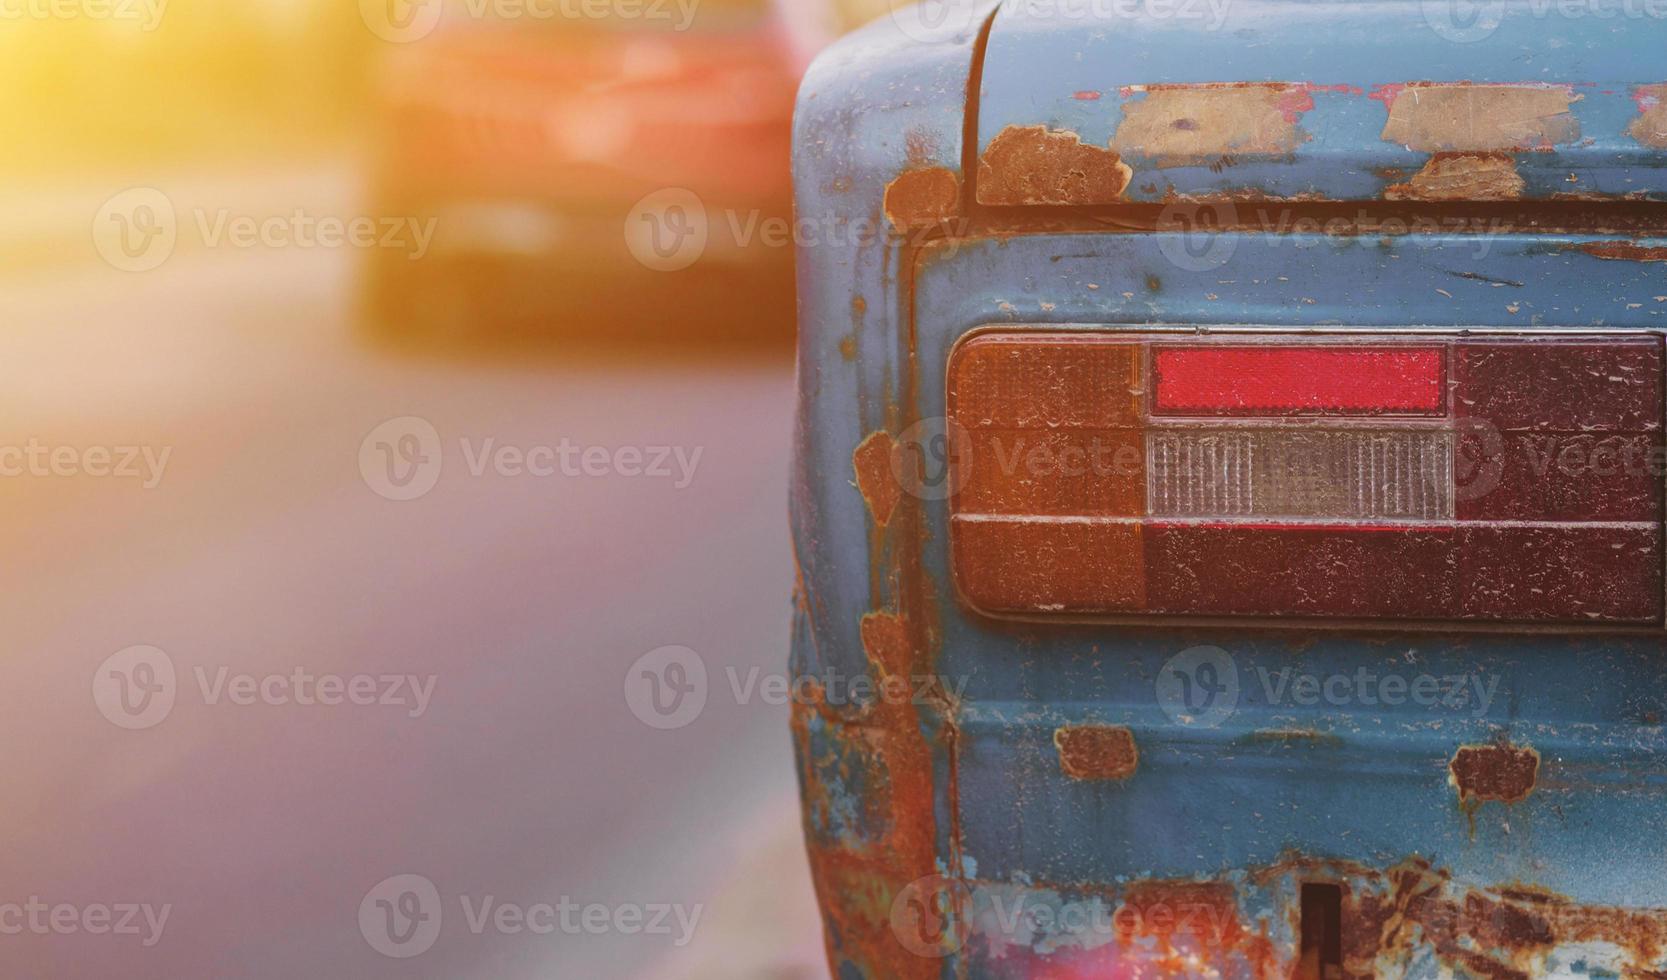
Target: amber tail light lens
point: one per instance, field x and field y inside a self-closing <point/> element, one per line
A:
<point x="1483" y="479"/>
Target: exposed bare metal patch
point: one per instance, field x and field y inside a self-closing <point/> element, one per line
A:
<point x="1502" y="772"/>
<point x="1097" y="752"/>
<point x="1031" y="165"/>
<point x="1197" y="125"/>
<point x="1462" y="177"/>
<point x="1650" y="128"/>
<point x="1465" y="118"/>
<point x="1624" y="251"/>
<point x="922" y="198"/>
<point x="875" y="479"/>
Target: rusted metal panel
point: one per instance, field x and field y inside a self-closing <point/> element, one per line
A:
<point x="1029" y="165"/>
<point x="1197" y="125"/>
<point x="877" y="146"/>
<point x="1097" y="752"/>
<point x="1338" y="100"/>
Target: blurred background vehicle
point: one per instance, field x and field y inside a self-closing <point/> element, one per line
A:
<point x="530" y="144"/>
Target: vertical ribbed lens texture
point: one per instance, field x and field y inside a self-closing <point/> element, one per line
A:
<point x="1350" y="474"/>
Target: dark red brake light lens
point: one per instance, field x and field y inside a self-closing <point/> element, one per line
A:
<point x="1495" y="479"/>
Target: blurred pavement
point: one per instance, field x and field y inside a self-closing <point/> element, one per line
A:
<point x="263" y="549"/>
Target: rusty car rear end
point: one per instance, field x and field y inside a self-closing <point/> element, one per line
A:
<point x="1023" y="796"/>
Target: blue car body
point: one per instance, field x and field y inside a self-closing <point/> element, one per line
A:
<point x="1020" y="798"/>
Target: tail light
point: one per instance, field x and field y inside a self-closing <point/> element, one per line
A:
<point x="1485" y="479"/>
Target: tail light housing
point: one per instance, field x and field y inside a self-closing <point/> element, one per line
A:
<point x="1413" y="477"/>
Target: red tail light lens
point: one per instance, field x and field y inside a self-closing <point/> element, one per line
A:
<point x="1272" y="381"/>
<point x="1494" y="480"/>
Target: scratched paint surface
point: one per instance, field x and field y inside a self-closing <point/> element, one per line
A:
<point x="1499" y="809"/>
<point x="1576" y="105"/>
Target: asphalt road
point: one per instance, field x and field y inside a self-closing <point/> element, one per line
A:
<point x="364" y="687"/>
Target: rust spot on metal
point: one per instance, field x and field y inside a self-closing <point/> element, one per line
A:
<point x="1493" y="933"/>
<point x="1177" y="918"/>
<point x="1466" y="118"/>
<point x="1395" y="917"/>
<point x="1197" y="125"/>
<point x="1288" y="737"/>
<point x="1409" y="919"/>
<point x="1650" y="128"/>
<point x="1623" y="251"/>
<point x="1033" y="165"/>
<point x="1462" y="177"/>
<point x="1500" y="772"/>
<point x="922" y="198"/>
<point x="848" y="343"/>
<point x="921" y="146"/>
<point x="861" y="880"/>
<point x="876" y="480"/>
<point x="1097" y="752"/>
<point x="886" y="642"/>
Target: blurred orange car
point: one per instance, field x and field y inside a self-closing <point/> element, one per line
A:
<point x="536" y="145"/>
